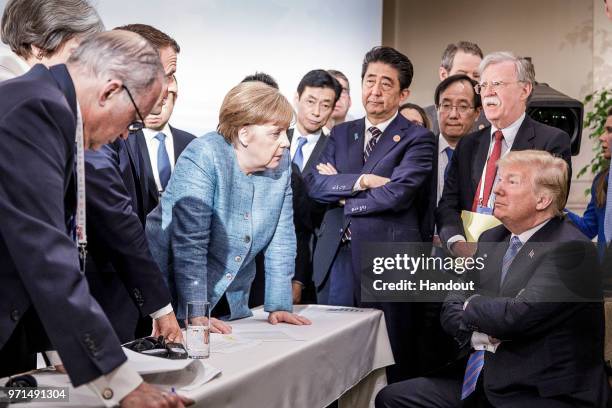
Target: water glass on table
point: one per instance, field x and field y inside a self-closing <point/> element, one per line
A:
<point x="198" y="329"/>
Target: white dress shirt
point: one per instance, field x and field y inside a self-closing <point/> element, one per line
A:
<point x="308" y="148"/>
<point x="153" y="146"/>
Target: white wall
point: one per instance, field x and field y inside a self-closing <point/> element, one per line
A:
<point x="223" y="41"/>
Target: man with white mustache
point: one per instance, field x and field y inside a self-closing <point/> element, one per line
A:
<point x="506" y="83"/>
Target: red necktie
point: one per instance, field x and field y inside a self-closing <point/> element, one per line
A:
<point x="490" y="172"/>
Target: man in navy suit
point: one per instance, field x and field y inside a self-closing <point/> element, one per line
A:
<point x="532" y="333"/>
<point x="123" y="276"/>
<point x="370" y="173"/>
<point x="45" y="298"/>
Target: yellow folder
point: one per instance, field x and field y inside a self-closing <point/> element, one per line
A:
<point x="475" y="224"/>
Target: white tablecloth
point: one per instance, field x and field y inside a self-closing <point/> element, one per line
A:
<point x="337" y="352"/>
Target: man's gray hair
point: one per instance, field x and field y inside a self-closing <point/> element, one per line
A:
<point x="47" y="24"/>
<point x="121" y="55"/>
<point x="524" y="73"/>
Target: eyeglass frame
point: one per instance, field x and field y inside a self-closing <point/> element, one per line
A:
<point x="134" y="126"/>
<point x="461" y="109"/>
<point x="494" y="85"/>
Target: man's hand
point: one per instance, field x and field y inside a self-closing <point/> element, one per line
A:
<point x="326" y="169"/>
<point x="146" y="395"/>
<point x="287" y="317"/>
<point x="216" y="325"/>
<point x="296" y="291"/>
<point x="464" y="249"/>
<point x="168" y="327"/>
<point x="372" y="181"/>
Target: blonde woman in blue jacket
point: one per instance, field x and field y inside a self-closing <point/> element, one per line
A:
<point x="229" y="198"/>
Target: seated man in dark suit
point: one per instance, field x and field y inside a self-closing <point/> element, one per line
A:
<point x="534" y="328"/>
<point x="45" y="299"/>
<point x="123" y="277"/>
<point x="506" y="83"/>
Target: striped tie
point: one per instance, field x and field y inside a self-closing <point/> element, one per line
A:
<point x="515" y="246"/>
<point x="472" y="371"/>
<point x="376" y="133"/>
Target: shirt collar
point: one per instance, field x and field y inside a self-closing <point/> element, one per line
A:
<point x="526" y="235"/>
<point x="149" y="134"/>
<point x="442" y="143"/>
<point x="311" y="137"/>
<point x="510" y="131"/>
<point x="382" y="126"/>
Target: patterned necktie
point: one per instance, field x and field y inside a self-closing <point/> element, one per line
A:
<point x="449" y="153"/>
<point x="490" y="172"/>
<point x="298" y="157"/>
<point x="513" y="248"/>
<point x="472" y="371"/>
<point x="163" y="161"/>
<point x="376" y="133"/>
<point x="608" y="213"/>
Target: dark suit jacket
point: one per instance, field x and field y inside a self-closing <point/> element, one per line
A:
<point x="150" y="193"/>
<point x="39" y="265"/>
<point x="468" y="163"/>
<point x="122" y="275"/>
<point x="386" y="214"/>
<point x="550" y="349"/>
<point x="307" y="213"/>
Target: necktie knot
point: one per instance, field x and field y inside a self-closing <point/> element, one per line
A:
<point x="302" y="141"/>
<point x="298" y="157"/>
<point x="161" y="137"/>
<point x="498" y="135"/>
<point x="449" y="153"/>
<point x="375" y="132"/>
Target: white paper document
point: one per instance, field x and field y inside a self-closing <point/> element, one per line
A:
<point x="230" y="343"/>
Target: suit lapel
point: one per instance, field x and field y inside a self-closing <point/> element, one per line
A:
<point x="316" y="152"/>
<point x="524" y="136"/>
<point x="387" y="142"/>
<point x="147" y="178"/>
<point x="480" y="158"/>
<point x="355" y="140"/>
<point x="494" y="252"/>
<point x="522" y="266"/>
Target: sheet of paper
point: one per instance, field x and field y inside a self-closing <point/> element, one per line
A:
<point x="475" y="224"/>
<point x="151" y="365"/>
<point x="230" y="343"/>
<point x="265" y="335"/>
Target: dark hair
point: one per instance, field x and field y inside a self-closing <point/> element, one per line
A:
<point x="443" y="86"/>
<point x="601" y="188"/>
<point x="319" y="78"/>
<point x="157" y="38"/>
<point x="261" y="77"/>
<point x="338" y="74"/>
<point x="393" y="57"/>
<point x="424" y="117"/>
<point x="448" y="57"/>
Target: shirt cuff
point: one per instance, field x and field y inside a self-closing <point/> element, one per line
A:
<point x="162" y="312"/>
<point x="453" y="239"/>
<point x="480" y="341"/>
<point x="298" y="282"/>
<point x="114" y="386"/>
<point x="357" y="186"/>
<point x="54" y="358"/>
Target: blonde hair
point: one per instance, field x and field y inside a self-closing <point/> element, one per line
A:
<point x="550" y="173"/>
<point x="252" y="103"/>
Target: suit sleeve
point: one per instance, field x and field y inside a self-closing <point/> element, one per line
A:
<point x="193" y="186"/>
<point x="280" y="258"/>
<point x="39" y="135"/>
<point x="330" y="189"/>
<point x="117" y="231"/>
<point x="567" y="278"/>
<point x="406" y="181"/>
<point x="448" y="212"/>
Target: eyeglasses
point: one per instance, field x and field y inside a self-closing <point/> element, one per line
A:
<point x="448" y="108"/>
<point x="135" y="126"/>
<point x="494" y="85"/>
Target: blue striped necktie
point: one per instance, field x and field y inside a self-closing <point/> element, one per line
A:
<point x="298" y="157"/>
<point x="163" y="161"/>
<point x="513" y="248"/>
<point x="472" y="371"/>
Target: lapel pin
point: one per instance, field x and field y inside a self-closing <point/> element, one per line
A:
<point x="396" y="138"/>
<point x="481" y="126"/>
<point x="531" y="253"/>
<point x="356" y="136"/>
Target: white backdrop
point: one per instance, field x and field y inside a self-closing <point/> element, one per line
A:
<point x="222" y="41"/>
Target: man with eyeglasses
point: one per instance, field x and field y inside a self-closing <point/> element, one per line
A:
<point x="461" y="58"/>
<point x="122" y="275"/>
<point x="344" y="103"/>
<point x="506" y="83"/>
